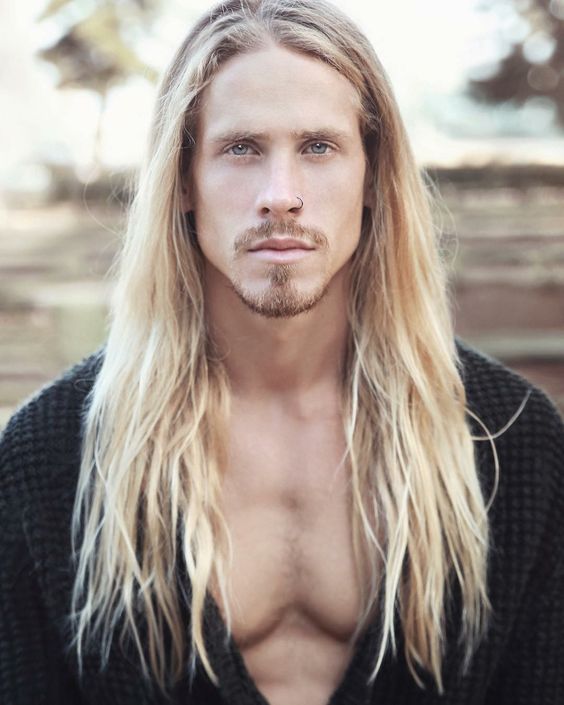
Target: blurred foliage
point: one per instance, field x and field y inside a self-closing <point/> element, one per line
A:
<point x="94" y="53"/>
<point x="535" y="65"/>
<point x="96" y="48"/>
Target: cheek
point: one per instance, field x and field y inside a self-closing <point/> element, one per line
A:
<point x="343" y="184"/>
<point x="224" y="187"/>
<point x="217" y="227"/>
<point x="343" y="197"/>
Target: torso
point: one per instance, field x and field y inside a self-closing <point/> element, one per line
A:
<point x="295" y="595"/>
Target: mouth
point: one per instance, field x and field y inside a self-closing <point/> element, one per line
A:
<point x="281" y="244"/>
<point x="281" y="250"/>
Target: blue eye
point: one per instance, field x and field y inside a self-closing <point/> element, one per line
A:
<point x="319" y="148"/>
<point x="239" y="150"/>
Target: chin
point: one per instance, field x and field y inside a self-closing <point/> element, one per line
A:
<point x="282" y="301"/>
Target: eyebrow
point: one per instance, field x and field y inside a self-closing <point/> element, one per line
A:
<point x="323" y="133"/>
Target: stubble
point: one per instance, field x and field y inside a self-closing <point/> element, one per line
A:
<point x="281" y="299"/>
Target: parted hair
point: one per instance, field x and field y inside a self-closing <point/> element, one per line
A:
<point x="148" y="497"/>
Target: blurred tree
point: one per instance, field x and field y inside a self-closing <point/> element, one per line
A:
<point x="94" y="52"/>
<point x="535" y="65"/>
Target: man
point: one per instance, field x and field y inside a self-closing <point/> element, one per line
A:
<point x="282" y="480"/>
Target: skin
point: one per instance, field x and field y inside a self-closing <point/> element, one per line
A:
<point x="275" y="125"/>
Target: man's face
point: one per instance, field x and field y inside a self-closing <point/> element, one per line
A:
<point x="276" y="125"/>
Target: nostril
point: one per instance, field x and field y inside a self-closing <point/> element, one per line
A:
<point x="281" y="205"/>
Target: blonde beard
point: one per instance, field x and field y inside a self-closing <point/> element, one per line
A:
<point x="281" y="300"/>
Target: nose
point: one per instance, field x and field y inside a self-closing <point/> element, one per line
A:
<point x="279" y="195"/>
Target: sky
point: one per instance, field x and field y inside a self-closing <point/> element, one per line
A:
<point x="428" y="47"/>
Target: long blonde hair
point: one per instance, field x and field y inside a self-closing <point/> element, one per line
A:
<point x="148" y="496"/>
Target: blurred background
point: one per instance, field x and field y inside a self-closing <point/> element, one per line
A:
<point x="481" y="87"/>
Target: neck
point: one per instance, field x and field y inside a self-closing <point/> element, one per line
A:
<point x="294" y="357"/>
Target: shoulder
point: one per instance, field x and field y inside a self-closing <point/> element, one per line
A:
<point x="501" y="397"/>
<point x="527" y="446"/>
<point x="519" y="439"/>
<point x="43" y="435"/>
<point x="52" y="410"/>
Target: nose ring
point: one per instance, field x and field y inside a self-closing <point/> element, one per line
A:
<point x="301" y="203"/>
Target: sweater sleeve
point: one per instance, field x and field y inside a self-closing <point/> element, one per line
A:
<point x="532" y="669"/>
<point x="32" y="667"/>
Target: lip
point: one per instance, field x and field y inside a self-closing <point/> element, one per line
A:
<point x="280" y="244"/>
<point x="290" y="254"/>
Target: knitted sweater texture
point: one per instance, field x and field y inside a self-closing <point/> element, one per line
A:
<point x="520" y="662"/>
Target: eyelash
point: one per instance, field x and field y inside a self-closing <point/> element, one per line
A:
<point x="311" y="144"/>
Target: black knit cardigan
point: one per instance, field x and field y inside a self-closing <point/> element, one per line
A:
<point x="520" y="662"/>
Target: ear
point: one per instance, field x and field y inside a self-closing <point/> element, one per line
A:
<point x="186" y="201"/>
<point x="369" y="191"/>
<point x="368" y="185"/>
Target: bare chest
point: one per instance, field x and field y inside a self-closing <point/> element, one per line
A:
<point x="294" y="594"/>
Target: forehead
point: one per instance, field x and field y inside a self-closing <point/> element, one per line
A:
<point x="278" y="89"/>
